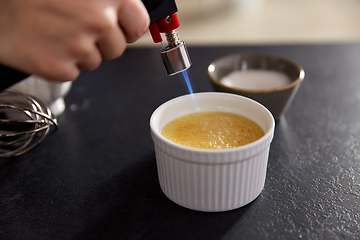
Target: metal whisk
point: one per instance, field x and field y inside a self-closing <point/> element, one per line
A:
<point x="24" y="123"/>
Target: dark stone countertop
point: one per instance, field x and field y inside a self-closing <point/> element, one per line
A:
<point x="96" y="177"/>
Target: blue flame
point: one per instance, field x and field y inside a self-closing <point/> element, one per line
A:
<point x="186" y="77"/>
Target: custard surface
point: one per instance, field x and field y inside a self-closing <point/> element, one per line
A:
<point x="212" y="130"/>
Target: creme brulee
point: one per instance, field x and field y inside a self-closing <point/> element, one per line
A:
<point x="212" y="130"/>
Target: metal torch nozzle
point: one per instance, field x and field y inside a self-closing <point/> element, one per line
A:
<point x="175" y="55"/>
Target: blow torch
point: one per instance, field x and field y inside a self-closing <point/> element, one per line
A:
<point x="164" y="19"/>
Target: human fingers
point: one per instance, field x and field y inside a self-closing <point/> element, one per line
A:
<point x="78" y="52"/>
<point x="61" y="71"/>
<point x="134" y="19"/>
<point x="112" y="42"/>
<point x="91" y="61"/>
<point x="112" y="45"/>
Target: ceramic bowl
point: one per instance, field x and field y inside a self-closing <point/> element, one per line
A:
<point x="211" y="180"/>
<point x="50" y="93"/>
<point x="278" y="98"/>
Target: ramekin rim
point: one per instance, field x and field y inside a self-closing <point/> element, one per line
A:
<point x="268" y="136"/>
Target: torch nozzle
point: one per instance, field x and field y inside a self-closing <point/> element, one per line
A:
<point x="175" y="55"/>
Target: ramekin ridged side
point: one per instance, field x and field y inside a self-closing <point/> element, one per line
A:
<point x="212" y="187"/>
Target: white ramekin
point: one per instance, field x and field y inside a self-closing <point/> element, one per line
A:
<point x="211" y="180"/>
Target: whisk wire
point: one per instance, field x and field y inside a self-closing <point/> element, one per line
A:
<point x="24" y="123"/>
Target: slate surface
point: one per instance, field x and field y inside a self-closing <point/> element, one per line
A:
<point x="96" y="177"/>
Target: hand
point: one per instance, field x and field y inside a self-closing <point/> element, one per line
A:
<point x="56" y="39"/>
